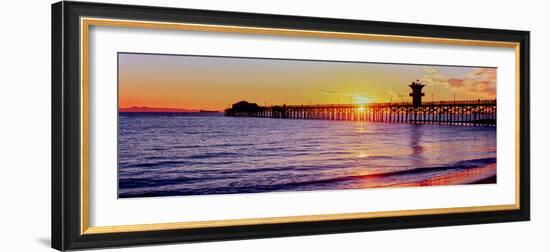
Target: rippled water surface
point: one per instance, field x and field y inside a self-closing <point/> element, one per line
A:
<point x="162" y="154"/>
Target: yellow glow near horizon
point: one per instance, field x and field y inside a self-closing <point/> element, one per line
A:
<point x="214" y="83"/>
<point x="361" y="99"/>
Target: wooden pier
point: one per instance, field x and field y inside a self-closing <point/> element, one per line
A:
<point x="465" y="112"/>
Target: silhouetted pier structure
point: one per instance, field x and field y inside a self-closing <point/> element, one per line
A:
<point x="474" y="112"/>
<point x="463" y="112"/>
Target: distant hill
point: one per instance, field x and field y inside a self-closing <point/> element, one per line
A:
<point x="149" y="109"/>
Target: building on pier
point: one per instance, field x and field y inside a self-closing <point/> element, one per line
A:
<point x="416" y="93"/>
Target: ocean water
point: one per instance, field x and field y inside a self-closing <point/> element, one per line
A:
<point x="164" y="154"/>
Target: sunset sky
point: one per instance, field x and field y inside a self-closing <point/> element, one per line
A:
<point x="214" y="83"/>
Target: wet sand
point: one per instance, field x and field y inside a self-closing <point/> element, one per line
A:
<point x="479" y="175"/>
<point x="489" y="180"/>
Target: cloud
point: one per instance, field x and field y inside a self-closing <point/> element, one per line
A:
<point x="432" y="77"/>
<point x="454" y="82"/>
<point x="330" y="92"/>
<point x="479" y="82"/>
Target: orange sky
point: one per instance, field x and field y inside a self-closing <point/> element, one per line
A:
<point x="214" y="83"/>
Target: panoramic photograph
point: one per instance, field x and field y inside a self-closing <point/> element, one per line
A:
<point x="202" y="125"/>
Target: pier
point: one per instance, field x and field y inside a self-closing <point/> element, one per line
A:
<point x="461" y="112"/>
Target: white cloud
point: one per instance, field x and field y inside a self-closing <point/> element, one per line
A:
<point x="479" y="82"/>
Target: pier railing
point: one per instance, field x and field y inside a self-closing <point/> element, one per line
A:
<point x="463" y="112"/>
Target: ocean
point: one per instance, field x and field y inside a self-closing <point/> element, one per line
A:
<point x="169" y="154"/>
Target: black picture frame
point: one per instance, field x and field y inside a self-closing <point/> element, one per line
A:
<point x="66" y="114"/>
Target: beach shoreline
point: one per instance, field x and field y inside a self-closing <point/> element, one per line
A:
<point x="489" y="180"/>
<point x="485" y="174"/>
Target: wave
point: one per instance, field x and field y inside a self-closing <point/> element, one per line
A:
<point x="212" y="155"/>
<point x="299" y="185"/>
<point x="154" y="164"/>
<point x="129" y="183"/>
<point x="465" y="164"/>
<point x="461" y="165"/>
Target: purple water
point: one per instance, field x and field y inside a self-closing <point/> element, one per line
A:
<point x="163" y="154"/>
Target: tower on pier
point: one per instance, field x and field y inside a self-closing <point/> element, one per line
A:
<point x="416" y="93"/>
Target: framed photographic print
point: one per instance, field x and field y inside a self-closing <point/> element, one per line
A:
<point x="181" y="125"/>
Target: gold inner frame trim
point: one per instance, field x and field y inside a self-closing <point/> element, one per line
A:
<point x="289" y="219"/>
<point x="86" y="23"/>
